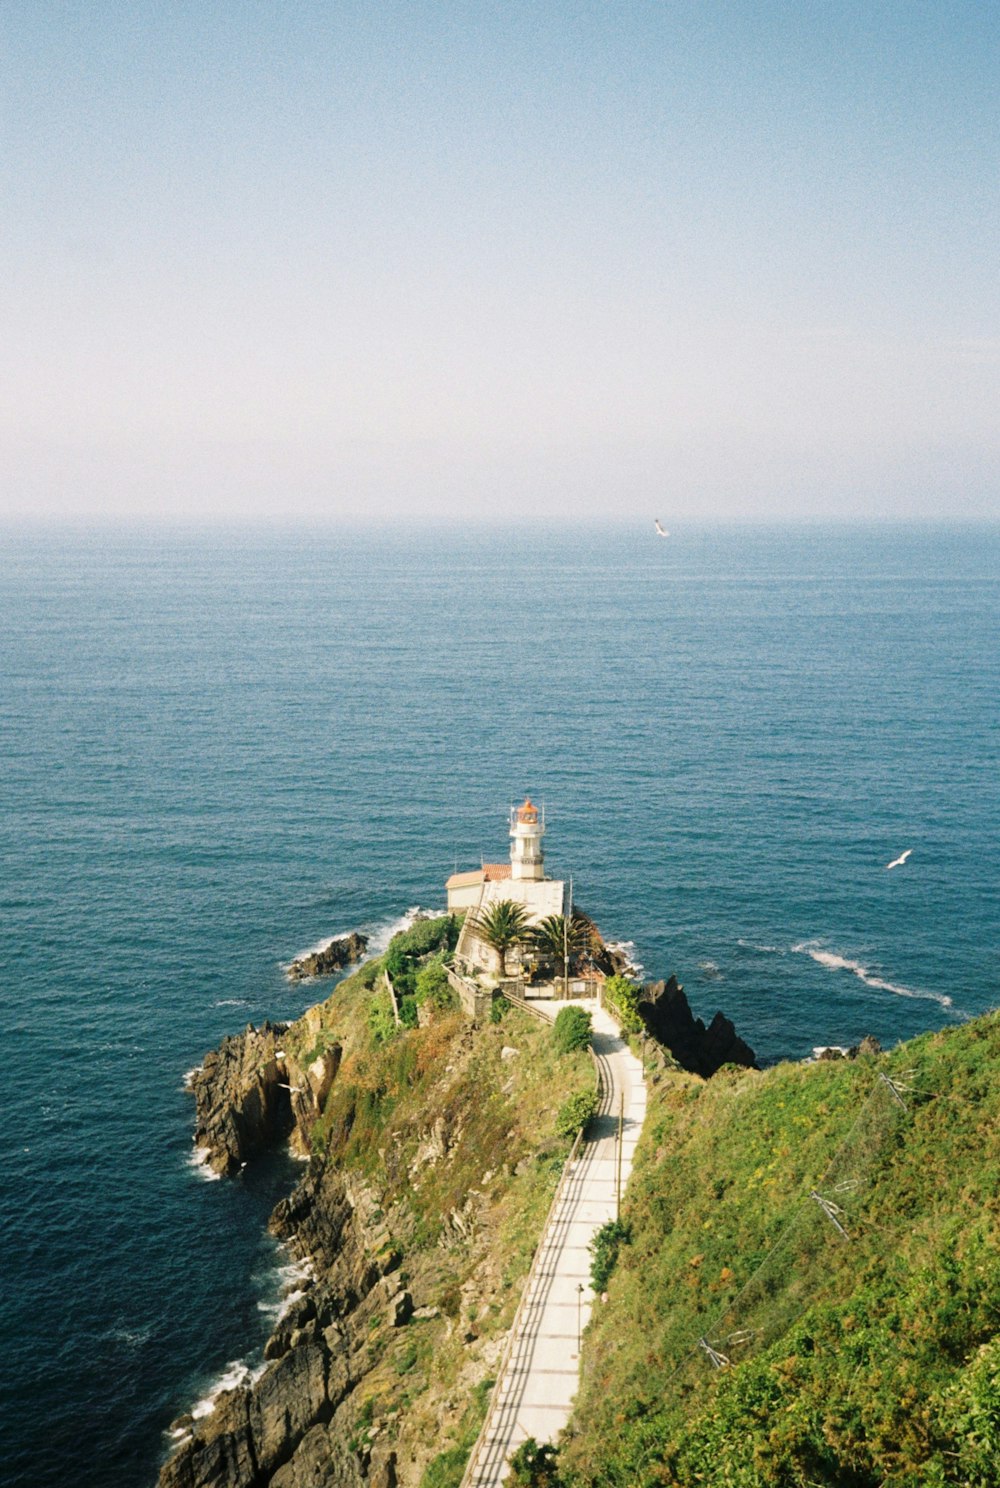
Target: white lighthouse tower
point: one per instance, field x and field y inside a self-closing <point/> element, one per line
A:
<point x="526" y="833"/>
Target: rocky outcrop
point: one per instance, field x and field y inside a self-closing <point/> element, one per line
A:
<point x="667" y="1017"/>
<point x="611" y="960"/>
<point x="251" y="1094"/>
<point x="294" y="1427"/>
<point x="343" y="951"/>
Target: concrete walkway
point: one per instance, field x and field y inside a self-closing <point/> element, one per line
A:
<point x="535" y="1393"/>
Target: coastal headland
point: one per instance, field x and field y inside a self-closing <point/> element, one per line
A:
<point x="802" y="1281"/>
<point x="434" y="1148"/>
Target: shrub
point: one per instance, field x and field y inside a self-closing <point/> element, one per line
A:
<point x="432" y="985"/>
<point x="425" y="936"/>
<point x="621" y="997"/>
<point x="381" y="1023"/>
<point x="446" y="1469"/>
<point x="533" y="1465"/>
<point x="604" y="1249"/>
<point x="408" y="1012"/>
<point x="575" y="1112"/>
<point x="571" y="1029"/>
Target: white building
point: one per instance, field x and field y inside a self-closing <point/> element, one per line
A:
<point x="522" y="880"/>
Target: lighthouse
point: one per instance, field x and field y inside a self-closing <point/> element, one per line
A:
<point x="526" y="832"/>
<point x="521" y="880"/>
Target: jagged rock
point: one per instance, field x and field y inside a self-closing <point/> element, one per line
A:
<point x="313" y="1464"/>
<point x="869" y="1045"/>
<point x="243" y="1105"/>
<point x="288" y="1399"/>
<point x="382" y="1468"/>
<point x="343" y="951"/>
<point x="668" y="1018"/>
<point x="507" y="1053"/>
<point x="400" y="1309"/>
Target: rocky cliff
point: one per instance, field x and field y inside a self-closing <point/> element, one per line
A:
<point x="667" y="1017"/>
<point x="295" y="1426"/>
<point x="252" y="1094"/>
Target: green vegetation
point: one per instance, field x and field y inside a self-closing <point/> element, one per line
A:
<point x="432" y="986"/>
<point x="859" y="1362"/>
<point x="502" y="926"/>
<point x="533" y="1465"/>
<point x="571" y="1030"/>
<point x="446" y="1469"/>
<point x="604" y="1251"/>
<point x="575" y="1112"/>
<point x="555" y="938"/>
<point x="410" y="947"/>
<point x="381" y="1021"/>
<point x="621" y="997"/>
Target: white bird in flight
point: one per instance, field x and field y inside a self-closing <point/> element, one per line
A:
<point x="661" y="531"/>
<point x="896" y="862"/>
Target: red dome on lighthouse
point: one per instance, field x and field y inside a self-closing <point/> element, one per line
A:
<point x="528" y="812"/>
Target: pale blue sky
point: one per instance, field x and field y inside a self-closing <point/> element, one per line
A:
<point x="425" y="261"/>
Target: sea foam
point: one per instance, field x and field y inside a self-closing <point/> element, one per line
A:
<point x="235" y="1374"/>
<point x="833" y="961"/>
<point x="197" y="1161"/>
<point x="633" y="966"/>
<point x="378" y="934"/>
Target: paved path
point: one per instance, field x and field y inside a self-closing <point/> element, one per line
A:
<point x="539" y="1382"/>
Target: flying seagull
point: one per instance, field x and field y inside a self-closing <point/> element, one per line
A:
<point x="661" y="531"/>
<point x="897" y="862"/>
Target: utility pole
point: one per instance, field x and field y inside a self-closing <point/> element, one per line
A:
<point x="579" y="1324"/>
<point x="618" y="1177"/>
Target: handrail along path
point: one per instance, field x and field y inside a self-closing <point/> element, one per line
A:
<point x="538" y="1370"/>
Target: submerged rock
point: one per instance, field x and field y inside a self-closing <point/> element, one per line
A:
<point x="668" y="1018"/>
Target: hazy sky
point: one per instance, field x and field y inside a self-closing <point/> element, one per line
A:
<point x="413" y="260"/>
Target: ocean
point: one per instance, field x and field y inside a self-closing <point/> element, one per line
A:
<point x="221" y="748"/>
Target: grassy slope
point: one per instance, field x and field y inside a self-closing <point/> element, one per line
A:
<point x="459" y="1148"/>
<point x="868" y="1362"/>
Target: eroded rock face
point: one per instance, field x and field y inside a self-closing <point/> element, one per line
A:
<point x="242" y="1107"/>
<point x="664" y="1010"/>
<point x="292" y="1427"/>
<point x="251" y="1094"/>
<point x="343" y="951"/>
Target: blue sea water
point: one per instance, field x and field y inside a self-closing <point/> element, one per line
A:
<point x="218" y="749"/>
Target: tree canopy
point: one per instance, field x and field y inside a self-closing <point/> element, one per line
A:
<point x="503" y="925"/>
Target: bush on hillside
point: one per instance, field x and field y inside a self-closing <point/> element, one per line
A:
<point x="533" y="1465"/>
<point x="621" y="998"/>
<point x="432" y="985"/>
<point x="571" y="1029"/>
<point x="575" y="1112"/>
<point x="409" y="947"/>
<point x="381" y="1023"/>
<point x="604" y="1249"/>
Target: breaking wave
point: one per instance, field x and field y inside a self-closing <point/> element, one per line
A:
<point x="378" y="934"/>
<point x="197" y="1161"/>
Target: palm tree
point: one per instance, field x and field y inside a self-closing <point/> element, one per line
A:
<point x="558" y="938"/>
<point x="501" y="926"/>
